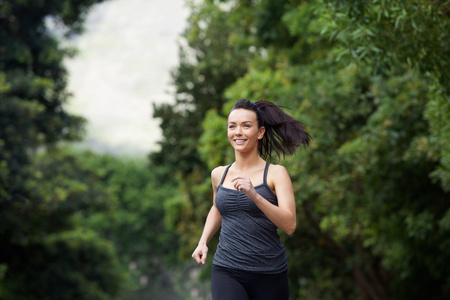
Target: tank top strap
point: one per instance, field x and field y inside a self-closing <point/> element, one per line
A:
<point x="265" y="172"/>
<point x="224" y="174"/>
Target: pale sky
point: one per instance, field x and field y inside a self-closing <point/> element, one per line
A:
<point x="125" y="57"/>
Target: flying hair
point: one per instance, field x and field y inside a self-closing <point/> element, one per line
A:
<point x="284" y="134"/>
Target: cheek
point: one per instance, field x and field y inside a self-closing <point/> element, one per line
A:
<point x="229" y="134"/>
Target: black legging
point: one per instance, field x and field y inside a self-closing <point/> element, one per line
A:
<point x="231" y="284"/>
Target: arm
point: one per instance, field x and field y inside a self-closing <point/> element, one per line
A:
<point x="212" y="224"/>
<point x="283" y="215"/>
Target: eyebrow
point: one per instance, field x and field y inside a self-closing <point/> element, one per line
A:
<point x="231" y="122"/>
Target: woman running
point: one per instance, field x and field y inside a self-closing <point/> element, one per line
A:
<point x="251" y="199"/>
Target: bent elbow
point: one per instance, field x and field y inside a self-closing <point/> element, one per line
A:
<point x="291" y="229"/>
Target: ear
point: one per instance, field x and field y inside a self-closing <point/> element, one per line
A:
<point x="262" y="130"/>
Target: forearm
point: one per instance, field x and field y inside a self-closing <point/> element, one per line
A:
<point x="212" y="224"/>
<point x="282" y="218"/>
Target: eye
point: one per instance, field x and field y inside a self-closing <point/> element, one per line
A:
<point x="231" y="127"/>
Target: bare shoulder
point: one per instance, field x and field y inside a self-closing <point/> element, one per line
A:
<point x="216" y="175"/>
<point x="277" y="176"/>
<point x="279" y="180"/>
<point x="277" y="170"/>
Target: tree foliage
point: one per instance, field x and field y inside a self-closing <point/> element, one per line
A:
<point x="43" y="246"/>
<point x="384" y="34"/>
<point x="370" y="81"/>
<point x="136" y="223"/>
<point x="33" y="93"/>
<point x="73" y="224"/>
<point x="133" y="222"/>
<point x="43" y="253"/>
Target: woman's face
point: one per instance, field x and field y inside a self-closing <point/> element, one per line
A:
<point x="243" y="130"/>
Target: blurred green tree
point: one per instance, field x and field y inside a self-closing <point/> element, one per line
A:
<point x="43" y="253"/>
<point x="136" y="224"/>
<point x="46" y="253"/>
<point x="32" y="113"/>
<point x="372" y="191"/>
<point x="384" y="34"/>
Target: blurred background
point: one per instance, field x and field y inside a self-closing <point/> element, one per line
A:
<point x="123" y="65"/>
<point x="113" y="113"/>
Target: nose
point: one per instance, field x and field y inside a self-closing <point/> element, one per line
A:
<point x="238" y="130"/>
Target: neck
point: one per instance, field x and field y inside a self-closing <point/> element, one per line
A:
<point x="247" y="160"/>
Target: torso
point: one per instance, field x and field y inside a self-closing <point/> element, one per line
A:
<point x="248" y="239"/>
<point x="255" y="175"/>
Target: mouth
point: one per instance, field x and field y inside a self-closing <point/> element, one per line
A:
<point x="240" y="141"/>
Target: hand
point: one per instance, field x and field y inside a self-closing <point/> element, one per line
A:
<point x="200" y="254"/>
<point x="244" y="184"/>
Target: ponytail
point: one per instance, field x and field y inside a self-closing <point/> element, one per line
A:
<point x="283" y="135"/>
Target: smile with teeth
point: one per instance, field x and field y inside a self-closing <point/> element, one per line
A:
<point x="239" y="141"/>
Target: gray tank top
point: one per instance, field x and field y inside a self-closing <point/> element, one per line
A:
<point x="248" y="240"/>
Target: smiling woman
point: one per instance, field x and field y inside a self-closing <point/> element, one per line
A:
<point x="251" y="200"/>
<point x="242" y="128"/>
